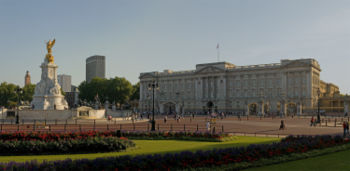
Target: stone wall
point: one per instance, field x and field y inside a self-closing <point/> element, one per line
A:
<point x="96" y="114"/>
<point x="47" y="114"/>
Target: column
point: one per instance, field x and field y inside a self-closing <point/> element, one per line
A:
<point x="346" y="107"/>
<point x="284" y="83"/>
<point x="283" y="109"/>
<point x="247" y="112"/>
<point x="141" y="91"/>
<point x="161" y="108"/>
<point x="177" y="108"/>
<point x="299" y="109"/>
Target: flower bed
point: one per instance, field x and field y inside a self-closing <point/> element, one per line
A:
<point x="188" y="160"/>
<point x="61" y="143"/>
<point x="43" y="136"/>
<point x="201" y="136"/>
<point x="86" y="145"/>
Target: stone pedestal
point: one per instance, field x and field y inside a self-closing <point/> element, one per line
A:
<point x="47" y="94"/>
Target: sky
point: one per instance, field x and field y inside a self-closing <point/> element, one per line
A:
<point x="152" y="35"/>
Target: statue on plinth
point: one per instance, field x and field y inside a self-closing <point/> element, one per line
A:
<point x="47" y="94"/>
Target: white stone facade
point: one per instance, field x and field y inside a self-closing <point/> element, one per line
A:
<point x="224" y="87"/>
<point x="47" y="94"/>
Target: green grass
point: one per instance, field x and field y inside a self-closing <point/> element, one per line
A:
<point x="334" y="161"/>
<point x="150" y="147"/>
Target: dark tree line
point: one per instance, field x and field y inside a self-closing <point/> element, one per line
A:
<point x="118" y="90"/>
<point x="9" y="95"/>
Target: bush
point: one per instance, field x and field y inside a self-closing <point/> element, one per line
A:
<point x="202" y="136"/>
<point x="86" y="145"/>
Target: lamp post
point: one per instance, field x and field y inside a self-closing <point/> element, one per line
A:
<point x="19" y="92"/>
<point x="318" y="106"/>
<point x="152" y="86"/>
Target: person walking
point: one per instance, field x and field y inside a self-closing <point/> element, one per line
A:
<point x="165" y="118"/>
<point x="312" y="121"/>
<point x="208" y="126"/>
<point x="282" y="126"/>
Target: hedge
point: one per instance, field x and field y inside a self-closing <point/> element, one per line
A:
<point x="69" y="146"/>
<point x="43" y="136"/>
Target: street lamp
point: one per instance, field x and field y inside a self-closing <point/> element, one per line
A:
<point x="318" y="106"/>
<point x="152" y="86"/>
<point x="19" y="92"/>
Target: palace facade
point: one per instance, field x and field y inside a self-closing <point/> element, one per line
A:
<point x="288" y="87"/>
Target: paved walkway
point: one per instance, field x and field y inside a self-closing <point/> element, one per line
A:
<point x="252" y="126"/>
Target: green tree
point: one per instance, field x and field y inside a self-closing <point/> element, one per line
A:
<point x="88" y="91"/>
<point x="28" y="92"/>
<point x="119" y="90"/>
<point x="135" y="92"/>
<point x="8" y="95"/>
<point x="114" y="89"/>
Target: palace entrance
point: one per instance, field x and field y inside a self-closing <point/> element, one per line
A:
<point x="253" y="109"/>
<point x="169" y="108"/>
<point x="291" y="109"/>
<point x="210" y="106"/>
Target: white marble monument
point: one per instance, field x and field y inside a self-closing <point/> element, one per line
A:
<point x="47" y="94"/>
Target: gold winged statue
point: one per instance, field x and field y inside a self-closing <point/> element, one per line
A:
<point x="49" y="46"/>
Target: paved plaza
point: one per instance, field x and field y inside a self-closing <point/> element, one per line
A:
<point x="244" y="126"/>
<point x="254" y="125"/>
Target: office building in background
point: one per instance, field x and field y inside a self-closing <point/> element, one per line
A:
<point x="65" y="82"/>
<point x="95" y="67"/>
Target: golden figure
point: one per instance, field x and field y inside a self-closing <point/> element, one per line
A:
<point x="49" y="46"/>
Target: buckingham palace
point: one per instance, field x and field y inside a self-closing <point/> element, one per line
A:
<point x="288" y="87"/>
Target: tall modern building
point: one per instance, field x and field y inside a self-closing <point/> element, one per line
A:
<point x="65" y="82"/>
<point x="27" y="79"/>
<point x="95" y="67"/>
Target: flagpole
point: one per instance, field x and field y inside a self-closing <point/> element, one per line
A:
<point x="218" y="52"/>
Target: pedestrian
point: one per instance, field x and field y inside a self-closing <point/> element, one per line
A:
<point x="347" y="127"/>
<point x="312" y="121"/>
<point x="282" y="126"/>
<point x="208" y="126"/>
<point x="165" y="119"/>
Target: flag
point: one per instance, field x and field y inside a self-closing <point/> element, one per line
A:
<point x="217" y="46"/>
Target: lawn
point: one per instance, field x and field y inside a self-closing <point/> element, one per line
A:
<point x="150" y="147"/>
<point x="334" y="161"/>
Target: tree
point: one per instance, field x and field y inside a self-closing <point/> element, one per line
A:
<point x="119" y="90"/>
<point x="114" y="89"/>
<point x="135" y="92"/>
<point x="8" y="95"/>
<point x="28" y="92"/>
